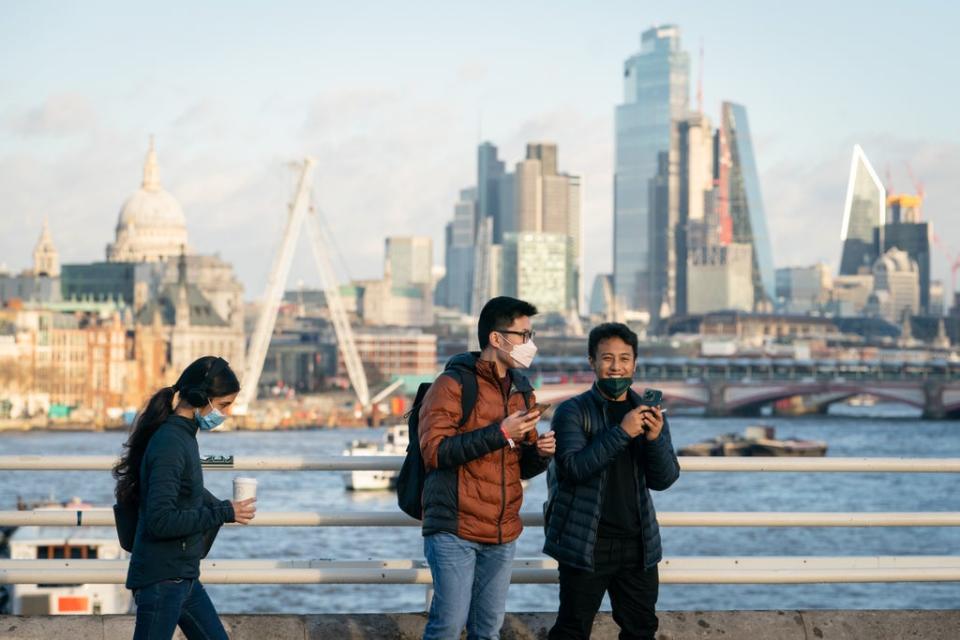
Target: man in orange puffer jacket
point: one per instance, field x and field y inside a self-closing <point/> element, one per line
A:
<point x="472" y="492"/>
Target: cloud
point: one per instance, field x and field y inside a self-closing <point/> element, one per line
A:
<point x="473" y="71"/>
<point x="61" y="114"/>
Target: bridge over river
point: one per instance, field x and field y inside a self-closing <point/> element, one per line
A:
<point x="741" y="386"/>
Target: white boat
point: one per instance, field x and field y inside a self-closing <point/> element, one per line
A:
<point x="69" y="543"/>
<point x="393" y="443"/>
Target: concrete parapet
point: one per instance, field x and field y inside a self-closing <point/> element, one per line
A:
<point x="674" y="625"/>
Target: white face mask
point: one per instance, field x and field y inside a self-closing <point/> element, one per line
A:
<point x="522" y="354"/>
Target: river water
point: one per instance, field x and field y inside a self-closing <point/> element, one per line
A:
<point x="873" y="431"/>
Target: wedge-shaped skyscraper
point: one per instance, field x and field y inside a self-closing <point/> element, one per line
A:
<point x="864" y="211"/>
<point x="745" y="201"/>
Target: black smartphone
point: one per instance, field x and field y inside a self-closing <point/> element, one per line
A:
<point x="651" y="398"/>
<point x="540" y="406"/>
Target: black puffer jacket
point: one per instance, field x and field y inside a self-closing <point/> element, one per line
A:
<point x="175" y="510"/>
<point x="579" y="472"/>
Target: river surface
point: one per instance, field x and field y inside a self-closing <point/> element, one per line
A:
<point x="868" y="431"/>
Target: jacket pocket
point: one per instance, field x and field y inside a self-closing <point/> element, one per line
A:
<point x="189" y="544"/>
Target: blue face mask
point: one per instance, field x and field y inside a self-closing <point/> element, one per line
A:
<point x="210" y="421"/>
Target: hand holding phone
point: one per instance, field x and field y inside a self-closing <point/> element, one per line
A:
<point x="517" y="425"/>
<point x="540" y="407"/>
<point x="651" y="398"/>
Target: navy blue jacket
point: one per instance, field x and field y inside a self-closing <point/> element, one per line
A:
<point x="578" y="476"/>
<point x="175" y="510"/>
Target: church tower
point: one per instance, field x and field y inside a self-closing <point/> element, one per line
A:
<point x="46" y="260"/>
<point x="151" y="226"/>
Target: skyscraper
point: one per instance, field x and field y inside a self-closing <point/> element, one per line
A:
<point x="457" y="286"/>
<point x="505" y="207"/>
<point x="548" y="201"/>
<point x="408" y="260"/>
<point x="537" y="268"/>
<point x="656" y="94"/>
<point x="746" y="203"/>
<point x="695" y="227"/>
<point x="865" y="210"/>
<point x="490" y="170"/>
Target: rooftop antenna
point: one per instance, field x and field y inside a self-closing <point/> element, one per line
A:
<point x="700" y="81"/>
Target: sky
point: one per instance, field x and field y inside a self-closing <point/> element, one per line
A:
<point x="392" y="98"/>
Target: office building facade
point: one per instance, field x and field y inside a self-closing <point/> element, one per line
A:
<point x="656" y="95"/>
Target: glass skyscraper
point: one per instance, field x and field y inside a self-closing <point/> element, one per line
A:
<point x="746" y="203"/>
<point x="656" y="92"/>
<point x="864" y="211"/>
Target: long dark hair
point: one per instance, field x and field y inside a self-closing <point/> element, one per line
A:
<point x="207" y="377"/>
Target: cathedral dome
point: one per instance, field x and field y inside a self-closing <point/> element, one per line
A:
<point x="151" y="226"/>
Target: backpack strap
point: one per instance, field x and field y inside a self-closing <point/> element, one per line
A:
<point x="468" y="391"/>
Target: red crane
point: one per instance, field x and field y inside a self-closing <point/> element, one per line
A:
<point x="917" y="186"/>
<point x="953" y="260"/>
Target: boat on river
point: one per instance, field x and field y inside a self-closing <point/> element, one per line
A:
<point x="756" y="440"/>
<point x="66" y="543"/>
<point x="393" y="443"/>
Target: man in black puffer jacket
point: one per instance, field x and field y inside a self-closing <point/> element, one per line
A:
<point x="601" y="525"/>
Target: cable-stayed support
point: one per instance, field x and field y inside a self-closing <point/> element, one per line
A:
<point x="279" y="272"/>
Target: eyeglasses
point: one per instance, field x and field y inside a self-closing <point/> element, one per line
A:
<point x="526" y="335"/>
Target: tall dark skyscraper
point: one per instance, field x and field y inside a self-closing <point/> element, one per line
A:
<point x="656" y="92"/>
<point x="490" y="171"/>
<point x="746" y="203"/>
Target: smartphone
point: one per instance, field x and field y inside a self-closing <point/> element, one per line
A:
<point x="540" y="406"/>
<point x="651" y="398"/>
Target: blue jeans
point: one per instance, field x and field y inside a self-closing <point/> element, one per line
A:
<point x="470" y="582"/>
<point x="168" y="603"/>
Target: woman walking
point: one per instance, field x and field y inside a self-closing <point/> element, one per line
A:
<point x="160" y="476"/>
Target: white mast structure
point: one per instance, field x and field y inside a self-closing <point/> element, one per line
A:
<point x="301" y="211"/>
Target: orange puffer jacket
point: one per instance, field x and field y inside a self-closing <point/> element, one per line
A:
<point x="472" y="488"/>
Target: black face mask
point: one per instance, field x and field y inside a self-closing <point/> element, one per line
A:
<point x="614" y="387"/>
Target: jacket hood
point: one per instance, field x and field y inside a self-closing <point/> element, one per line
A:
<point x="471" y="361"/>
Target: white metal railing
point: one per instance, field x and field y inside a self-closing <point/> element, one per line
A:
<point x="680" y="570"/>
<point x="697" y="570"/>
<point x="104" y="518"/>
<point x="392" y="463"/>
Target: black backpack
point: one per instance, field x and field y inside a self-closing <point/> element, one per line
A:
<point x="412" y="473"/>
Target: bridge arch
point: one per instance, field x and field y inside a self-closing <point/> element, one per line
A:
<point x="840" y="391"/>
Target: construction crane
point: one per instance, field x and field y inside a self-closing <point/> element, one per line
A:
<point x="301" y="211"/>
<point x="953" y="261"/>
<point x="920" y="191"/>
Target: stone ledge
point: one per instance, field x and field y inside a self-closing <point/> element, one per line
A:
<point x="674" y="625"/>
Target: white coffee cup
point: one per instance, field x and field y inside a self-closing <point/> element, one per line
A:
<point x="244" y="488"/>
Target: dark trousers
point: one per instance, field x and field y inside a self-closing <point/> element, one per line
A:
<point x="618" y="568"/>
<point x="164" y="605"/>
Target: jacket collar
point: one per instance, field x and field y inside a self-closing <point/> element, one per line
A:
<point x="487" y="370"/>
<point x="187" y="424"/>
<point x="632" y="396"/>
